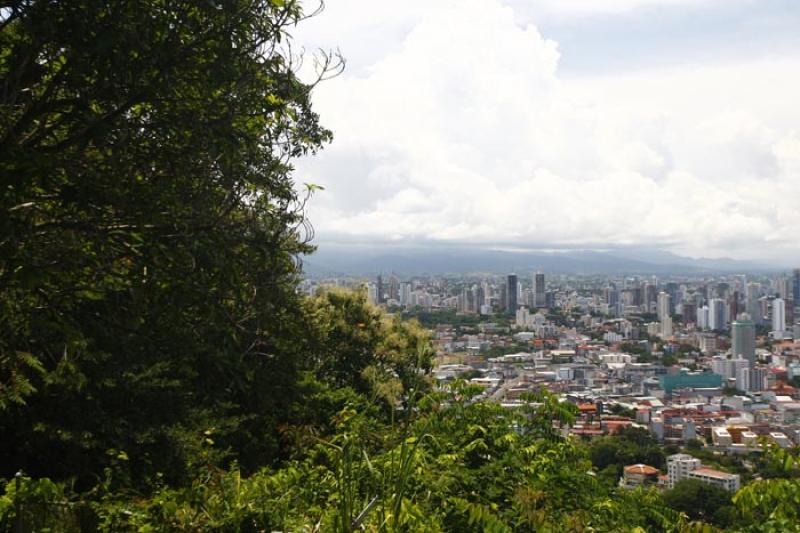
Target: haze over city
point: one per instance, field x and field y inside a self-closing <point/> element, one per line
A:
<point x="582" y="125"/>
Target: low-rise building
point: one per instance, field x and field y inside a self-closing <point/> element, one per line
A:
<point x="683" y="466"/>
<point x="721" y="437"/>
<point x="639" y="475"/>
<point x="781" y="439"/>
<point x="749" y="438"/>
<point x="723" y="480"/>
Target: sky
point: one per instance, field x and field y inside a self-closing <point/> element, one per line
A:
<point x="669" y="124"/>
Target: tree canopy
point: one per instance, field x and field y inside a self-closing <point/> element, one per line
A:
<point x="149" y="231"/>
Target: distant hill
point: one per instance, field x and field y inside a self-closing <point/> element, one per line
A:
<point x="441" y="260"/>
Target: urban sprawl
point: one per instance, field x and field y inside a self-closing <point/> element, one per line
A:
<point x="711" y="363"/>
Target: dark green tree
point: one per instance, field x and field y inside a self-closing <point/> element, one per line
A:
<point x="701" y="501"/>
<point x="149" y="233"/>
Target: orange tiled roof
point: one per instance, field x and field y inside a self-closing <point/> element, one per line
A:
<point x="641" y="469"/>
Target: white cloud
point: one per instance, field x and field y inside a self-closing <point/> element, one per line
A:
<point x="583" y="7"/>
<point x="462" y="130"/>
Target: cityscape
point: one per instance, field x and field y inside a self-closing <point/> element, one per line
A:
<point x="709" y="360"/>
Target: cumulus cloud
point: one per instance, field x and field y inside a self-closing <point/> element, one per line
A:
<point x="461" y="130"/>
<point x="591" y="7"/>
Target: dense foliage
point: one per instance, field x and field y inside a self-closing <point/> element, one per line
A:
<point x="701" y="501"/>
<point x="149" y="229"/>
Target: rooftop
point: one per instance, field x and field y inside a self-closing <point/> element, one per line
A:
<point x="641" y="469"/>
<point x="710" y="472"/>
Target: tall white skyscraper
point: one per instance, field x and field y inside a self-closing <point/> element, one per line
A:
<point x="663" y="305"/>
<point x="778" y="318"/>
<point x="753" y="293"/>
<point x="717" y="314"/>
<point x="405" y="293"/>
<point x="702" y="318"/>
<point x="782" y="286"/>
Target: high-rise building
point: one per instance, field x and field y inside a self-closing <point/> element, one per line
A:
<point x="379" y="290"/>
<point x="782" y="287"/>
<point x="550" y="299"/>
<point x="735" y="305"/>
<point x="467" y="301"/>
<point x="512" y="289"/>
<point x="752" y="303"/>
<point x="721" y="290"/>
<point x="743" y="338"/>
<point x="796" y="286"/>
<point x="663" y="305"/>
<point x="689" y="312"/>
<point x="703" y="321"/>
<point x="637" y="293"/>
<point x="751" y="379"/>
<point x="717" y="314"/>
<point x="405" y="293"/>
<point x="650" y="296"/>
<point x="611" y="295"/>
<point x="538" y="290"/>
<point x="480" y="295"/>
<point x="394" y="287"/>
<point x="728" y="368"/>
<point x="672" y="289"/>
<point x="372" y="293"/>
<point x="778" y="317"/>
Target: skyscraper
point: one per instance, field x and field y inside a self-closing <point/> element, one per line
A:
<point x="778" y="317"/>
<point x="674" y="296"/>
<point x="781" y="286"/>
<point x="650" y="295"/>
<point x="689" y="312"/>
<point x="511" y="294"/>
<point x="717" y="314"/>
<point x="405" y="293"/>
<point x="480" y="295"/>
<point x="703" y="320"/>
<point x="394" y="287"/>
<point x="538" y="290"/>
<point x="663" y="305"/>
<point x="752" y="303"/>
<point x="751" y="379"/>
<point x="796" y="286"/>
<point x="743" y="338"/>
<point x="379" y="290"/>
<point x="735" y="305"/>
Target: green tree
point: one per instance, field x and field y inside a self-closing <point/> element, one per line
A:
<point x="771" y="504"/>
<point x="628" y="446"/>
<point x="701" y="501"/>
<point x="149" y="234"/>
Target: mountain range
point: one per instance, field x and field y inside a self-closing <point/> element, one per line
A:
<point x="361" y="260"/>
